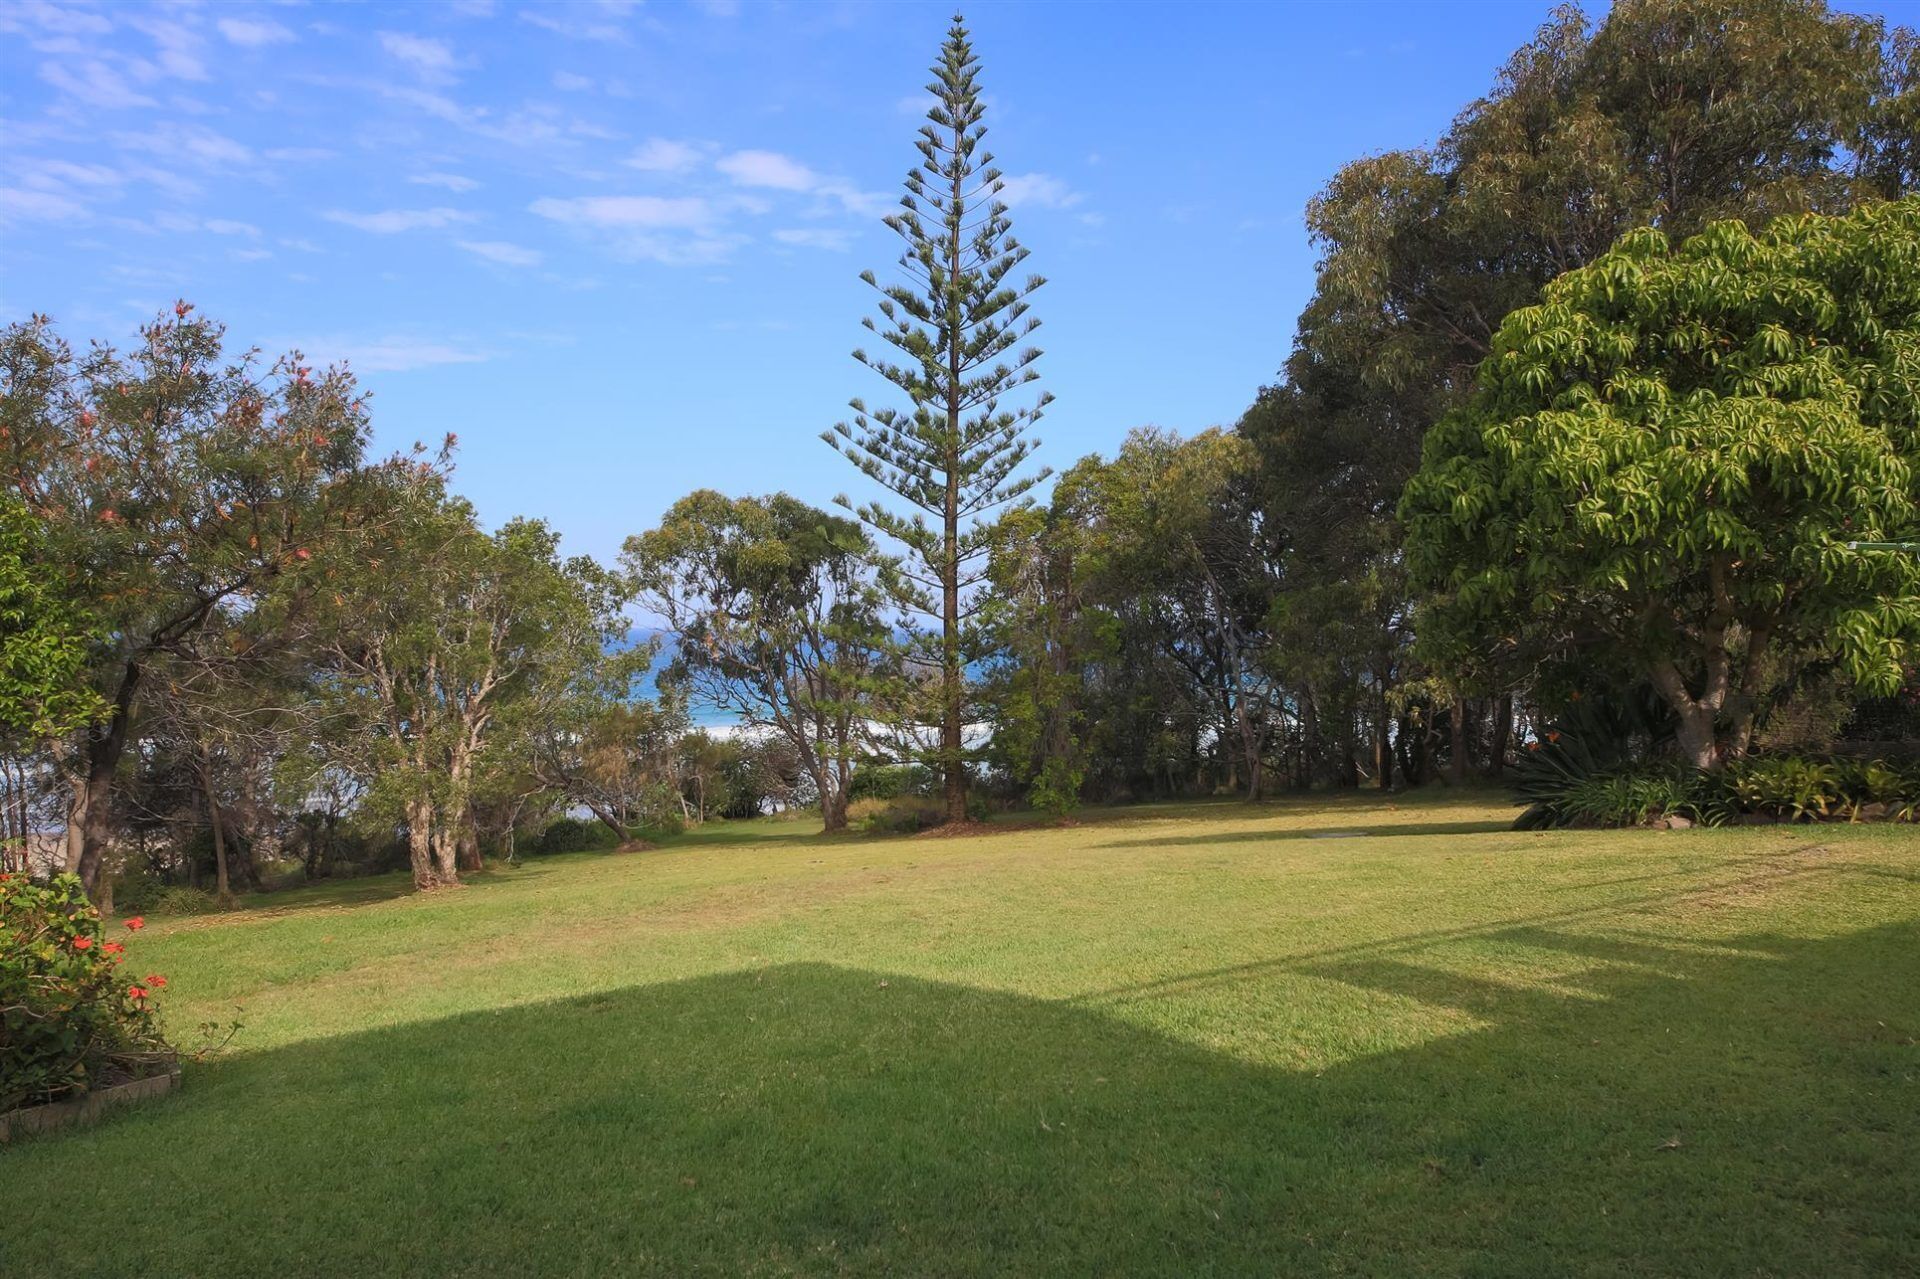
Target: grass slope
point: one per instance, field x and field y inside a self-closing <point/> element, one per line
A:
<point x="1187" y="1041"/>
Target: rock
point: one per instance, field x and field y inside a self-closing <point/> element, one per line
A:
<point x="1676" y="822"/>
<point x="1875" y="812"/>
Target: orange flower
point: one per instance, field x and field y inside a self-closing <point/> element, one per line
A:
<point x="83" y="943"/>
<point x="112" y="948"/>
<point x="136" y="993"/>
<point x="137" y="923"/>
<point x="1553" y="737"/>
<point x="1533" y="746"/>
<point x="156" y="981"/>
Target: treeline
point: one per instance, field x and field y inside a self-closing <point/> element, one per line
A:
<point x="229" y="636"/>
<point x="1235" y="610"/>
<point x="232" y="637"/>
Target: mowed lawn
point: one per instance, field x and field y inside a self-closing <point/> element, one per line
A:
<point x="1324" y="1036"/>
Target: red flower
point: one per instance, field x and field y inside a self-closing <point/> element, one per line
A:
<point x="156" y="981"/>
<point x="137" y="923"/>
<point x="302" y="553"/>
<point x="112" y="948"/>
<point x="136" y="993"/>
<point x="1533" y="746"/>
<point x="83" y="943"/>
<point x="1553" y="737"/>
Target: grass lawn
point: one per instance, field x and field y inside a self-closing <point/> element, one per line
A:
<point x="1326" y="1036"/>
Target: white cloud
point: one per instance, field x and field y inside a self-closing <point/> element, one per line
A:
<point x="596" y="20"/>
<point x="836" y="239"/>
<point x="661" y="155"/>
<point x="394" y="221"/>
<point x="59" y="174"/>
<point x="176" y="49"/>
<point x="718" y="8"/>
<point x="253" y="33"/>
<point x="432" y="60"/>
<point x="299" y="155"/>
<point x="651" y="212"/>
<point x="250" y="255"/>
<point x="392" y="354"/>
<point x="767" y="169"/>
<point x="678" y="231"/>
<point x="770" y="170"/>
<point x="451" y="181"/>
<point x="93" y="83"/>
<point x="36" y="206"/>
<point x="568" y="82"/>
<point x="187" y="143"/>
<point x="226" y="226"/>
<point x="1040" y="190"/>
<point x="502" y="252"/>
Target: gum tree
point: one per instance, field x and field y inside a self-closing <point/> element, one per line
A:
<point x="1667" y="459"/>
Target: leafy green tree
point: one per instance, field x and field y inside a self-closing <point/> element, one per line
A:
<point x="173" y="483"/>
<point x="777" y="617"/>
<point x="1666" y="113"/>
<point x="44" y="637"/>
<point x="956" y="322"/>
<point x="1667" y="459"/>
<point x="446" y="648"/>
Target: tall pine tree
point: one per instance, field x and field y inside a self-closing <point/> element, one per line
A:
<point x="954" y="321"/>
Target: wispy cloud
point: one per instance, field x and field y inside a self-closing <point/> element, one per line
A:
<point x="836" y="239"/>
<point x="648" y="211"/>
<point x="394" y="221"/>
<point x="391" y="354"/>
<point x="451" y="181"/>
<point x="771" y="170"/>
<point x="502" y="252"/>
<point x="1039" y="190"/>
<point x="596" y="20"/>
<point x="17" y="205"/>
<point x="677" y="231"/>
<point x="661" y="155"/>
<point x="187" y="144"/>
<point x="227" y="226"/>
<point x="253" y="33"/>
<point x="432" y="60"/>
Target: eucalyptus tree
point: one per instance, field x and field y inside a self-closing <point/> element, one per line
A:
<point x="776" y="616"/>
<point x="444" y="644"/>
<point x="956" y="320"/>
<point x="1668" y="464"/>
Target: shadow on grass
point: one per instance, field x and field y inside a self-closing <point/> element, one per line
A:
<point x="1748" y="1110"/>
<point x="1359" y="829"/>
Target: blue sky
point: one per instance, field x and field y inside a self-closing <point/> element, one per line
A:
<point x="614" y="247"/>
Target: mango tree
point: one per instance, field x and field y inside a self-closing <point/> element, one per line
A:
<point x="1666" y="461"/>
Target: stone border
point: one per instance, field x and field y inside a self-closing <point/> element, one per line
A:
<point x="85" y="1110"/>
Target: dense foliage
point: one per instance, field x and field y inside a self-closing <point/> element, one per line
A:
<point x="71" y="1017"/>
<point x="1667" y="463"/>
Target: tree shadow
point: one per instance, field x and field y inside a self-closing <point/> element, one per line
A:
<point x="1746" y="1109"/>
<point x="1360" y="829"/>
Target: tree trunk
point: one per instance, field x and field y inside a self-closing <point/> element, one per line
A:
<point x="1695" y="737"/>
<point x="1457" y="742"/>
<point x="420" y="843"/>
<point x="1382" y="748"/>
<point x="222" y="883"/>
<point x="1502" y="735"/>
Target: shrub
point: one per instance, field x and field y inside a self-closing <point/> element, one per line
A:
<point x="890" y="781"/>
<point x="1560" y="789"/>
<point x="72" y="1019"/>
<point x="571" y="835"/>
<point x="901" y="815"/>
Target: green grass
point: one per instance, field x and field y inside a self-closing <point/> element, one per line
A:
<point x="1182" y="1041"/>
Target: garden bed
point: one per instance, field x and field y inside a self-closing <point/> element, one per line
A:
<point x="89" y="1106"/>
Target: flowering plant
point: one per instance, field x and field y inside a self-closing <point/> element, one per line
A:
<point x="70" y="1019"/>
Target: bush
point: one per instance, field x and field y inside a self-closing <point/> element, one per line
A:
<point x="901" y="815"/>
<point x="890" y="781"/>
<point x="571" y="835"/>
<point x="72" y="1020"/>
<point x="1562" y="788"/>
